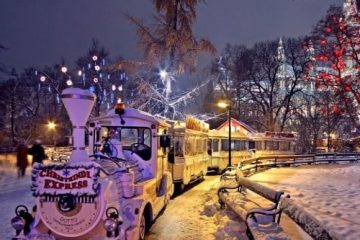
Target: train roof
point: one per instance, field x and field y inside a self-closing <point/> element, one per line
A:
<point x="132" y="113"/>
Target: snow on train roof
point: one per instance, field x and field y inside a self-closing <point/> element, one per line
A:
<point x="132" y="113"/>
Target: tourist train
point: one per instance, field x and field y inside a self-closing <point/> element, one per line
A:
<point x="106" y="195"/>
<point x="135" y="163"/>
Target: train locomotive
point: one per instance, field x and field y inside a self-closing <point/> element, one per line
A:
<point x="100" y="197"/>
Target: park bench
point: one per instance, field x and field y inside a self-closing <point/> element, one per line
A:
<point x="262" y="221"/>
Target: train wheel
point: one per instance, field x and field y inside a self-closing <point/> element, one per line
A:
<point x="142" y="227"/>
<point x="179" y="187"/>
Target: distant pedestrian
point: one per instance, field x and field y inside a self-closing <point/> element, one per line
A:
<point x="38" y="153"/>
<point x="21" y="158"/>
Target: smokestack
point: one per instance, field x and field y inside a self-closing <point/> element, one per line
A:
<point x="78" y="103"/>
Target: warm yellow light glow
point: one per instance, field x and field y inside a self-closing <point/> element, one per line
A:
<point x="332" y="135"/>
<point x="51" y="125"/>
<point x="223" y="104"/>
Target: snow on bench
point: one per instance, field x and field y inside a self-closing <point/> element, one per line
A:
<point x="263" y="221"/>
<point x="305" y="220"/>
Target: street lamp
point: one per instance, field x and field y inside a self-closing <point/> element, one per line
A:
<point x="227" y="105"/>
<point x="52" y="126"/>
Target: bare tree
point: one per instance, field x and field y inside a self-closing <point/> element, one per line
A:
<point x="170" y="46"/>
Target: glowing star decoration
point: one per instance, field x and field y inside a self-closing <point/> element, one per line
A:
<point x="97" y="67"/>
<point x="94" y="58"/>
<point x="42" y="78"/>
<point x="96" y="80"/>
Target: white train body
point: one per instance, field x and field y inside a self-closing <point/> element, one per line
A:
<point x="100" y="197"/>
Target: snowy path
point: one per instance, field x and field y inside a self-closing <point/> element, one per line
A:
<point x="195" y="214"/>
<point x="13" y="191"/>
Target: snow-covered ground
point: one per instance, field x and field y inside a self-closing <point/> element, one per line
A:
<point x="329" y="192"/>
<point x="13" y="191"/>
<point x="196" y="214"/>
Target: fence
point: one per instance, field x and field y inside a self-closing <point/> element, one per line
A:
<point x="255" y="164"/>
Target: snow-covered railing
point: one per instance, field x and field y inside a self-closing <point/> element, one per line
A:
<point x="305" y="220"/>
<point x="255" y="164"/>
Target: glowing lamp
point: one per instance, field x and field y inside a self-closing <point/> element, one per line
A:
<point x="163" y="74"/>
<point x="42" y="78"/>
<point x="64" y="69"/>
<point x="69" y="82"/>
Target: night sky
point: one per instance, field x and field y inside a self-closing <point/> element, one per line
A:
<point x="40" y="32"/>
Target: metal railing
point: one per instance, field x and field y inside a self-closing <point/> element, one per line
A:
<point x="255" y="164"/>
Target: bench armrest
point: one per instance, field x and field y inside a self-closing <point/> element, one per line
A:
<point x="261" y="211"/>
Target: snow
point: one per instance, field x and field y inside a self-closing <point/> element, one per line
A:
<point x="13" y="191"/>
<point x="330" y="193"/>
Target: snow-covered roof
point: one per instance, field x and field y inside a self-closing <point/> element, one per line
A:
<point x="132" y="113"/>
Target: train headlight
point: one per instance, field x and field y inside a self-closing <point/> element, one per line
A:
<point x="112" y="221"/>
<point x="110" y="224"/>
<point x="17" y="223"/>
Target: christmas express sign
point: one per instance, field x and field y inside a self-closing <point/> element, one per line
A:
<point x="57" y="180"/>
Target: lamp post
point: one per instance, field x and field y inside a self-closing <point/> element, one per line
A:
<point x="227" y="105"/>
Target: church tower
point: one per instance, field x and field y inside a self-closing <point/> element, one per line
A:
<point x="281" y="74"/>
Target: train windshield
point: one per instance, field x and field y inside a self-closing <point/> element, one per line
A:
<point x="128" y="136"/>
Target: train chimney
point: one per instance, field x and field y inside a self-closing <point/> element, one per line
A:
<point x="78" y="103"/>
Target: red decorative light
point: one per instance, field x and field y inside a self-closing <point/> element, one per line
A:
<point x="347" y="88"/>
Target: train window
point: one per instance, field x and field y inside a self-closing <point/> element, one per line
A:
<point x="259" y="145"/>
<point x="215" y="145"/>
<point x="271" y="145"/>
<point x="284" y="146"/>
<point x="199" y="145"/>
<point x="252" y="145"/>
<point x="236" y="145"/>
<point x="129" y="136"/>
<point x="178" y="146"/>
<point x="224" y="145"/>
<point x="189" y="145"/>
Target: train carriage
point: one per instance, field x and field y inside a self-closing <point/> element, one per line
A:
<point x="274" y="143"/>
<point x="190" y="151"/>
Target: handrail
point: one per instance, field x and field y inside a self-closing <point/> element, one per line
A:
<point x="289" y="160"/>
